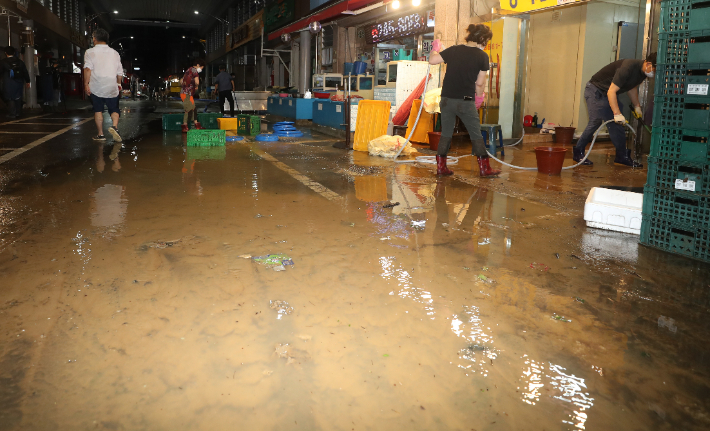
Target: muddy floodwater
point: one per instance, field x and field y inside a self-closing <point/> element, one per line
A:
<point x="292" y="285"/>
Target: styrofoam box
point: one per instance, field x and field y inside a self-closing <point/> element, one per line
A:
<point x="614" y="210"/>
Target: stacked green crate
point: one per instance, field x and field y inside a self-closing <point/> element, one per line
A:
<point x="676" y="206"/>
<point x="209" y="120"/>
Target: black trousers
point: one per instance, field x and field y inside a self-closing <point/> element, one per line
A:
<point x="467" y="112"/>
<point x="228" y="96"/>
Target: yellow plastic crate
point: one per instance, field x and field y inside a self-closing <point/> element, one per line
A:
<point x="372" y="119"/>
<point x="228" y="123"/>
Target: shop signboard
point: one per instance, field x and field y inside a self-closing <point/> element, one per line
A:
<point x="22" y="5"/>
<point x="430" y="18"/>
<point x="246" y="32"/>
<point x="406" y="25"/>
<point x="278" y="13"/>
<point x="533" y="5"/>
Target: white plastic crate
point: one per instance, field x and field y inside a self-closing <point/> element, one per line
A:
<point x="614" y="210"/>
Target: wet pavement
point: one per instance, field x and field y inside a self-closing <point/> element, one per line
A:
<point x="153" y="286"/>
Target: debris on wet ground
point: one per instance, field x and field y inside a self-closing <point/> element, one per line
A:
<point x="290" y="353"/>
<point x="539" y="266"/>
<point x="560" y="318"/>
<point x="390" y="205"/>
<point x="557" y="255"/>
<point x="667" y="322"/>
<point x="281" y="307"/>
<point x="277" y="262"/>
<point x="164" y="244"/>
<point x="578" y="299"/>
<point x="419" y="224"/>
<point x="347" y="223"/>
<point x="484" y="241"/>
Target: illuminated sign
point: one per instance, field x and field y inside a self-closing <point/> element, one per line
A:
<point x="399" y="27"/>
<point x="533" y="5"/>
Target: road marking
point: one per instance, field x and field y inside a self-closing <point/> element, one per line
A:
<point x="313" y="185"/>
<point x="42" y="124"/>
<point x="39" y="141"/>
<point x="23" y="119"/>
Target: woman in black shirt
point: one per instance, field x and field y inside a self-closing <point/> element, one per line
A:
<point x="462" y="93"/>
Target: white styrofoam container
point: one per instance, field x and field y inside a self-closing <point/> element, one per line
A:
<point x="614" y="210"/>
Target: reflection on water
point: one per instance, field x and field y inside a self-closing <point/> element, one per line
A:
<point x="108" y="206"/>
<point x="564" y="387"/>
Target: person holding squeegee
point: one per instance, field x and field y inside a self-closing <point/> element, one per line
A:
<point x="621" y="76"/>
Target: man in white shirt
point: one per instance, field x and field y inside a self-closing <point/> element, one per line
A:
<point x="103" y="74"/>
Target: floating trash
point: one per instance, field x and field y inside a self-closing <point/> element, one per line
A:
<point x="560" y="318"/>
<point x="282" y="308"/>
<point x="277" y="261"/>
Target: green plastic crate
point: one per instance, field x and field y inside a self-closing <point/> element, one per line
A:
<point x="254" y="125"/>
<point x="680" y="144"/>
<point x="172" y="122"/>
<point x="687" y="112"/>
<point x="206" y="138"/>
<point x="664" y="174"/>
<point x="243" y="124"/>
<point x="675" y="237"/>
<point x="677" y="206"/>
<point x="684" y="15"/>
<point x="209" y="120"/>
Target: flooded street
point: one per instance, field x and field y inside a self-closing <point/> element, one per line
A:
<point x="139" y="293"/>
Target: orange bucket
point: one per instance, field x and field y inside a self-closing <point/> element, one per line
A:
<point x="550" y="159"/>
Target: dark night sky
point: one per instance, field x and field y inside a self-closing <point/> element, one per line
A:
<point x="159" y="51"/>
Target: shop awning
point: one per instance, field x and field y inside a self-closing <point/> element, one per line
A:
<point x="323" y="15"/>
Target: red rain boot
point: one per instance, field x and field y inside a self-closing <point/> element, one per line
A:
<point x="485" y="167"/>
<point x="185" y="128"/>
<point x="441" y="168"/>
<point x="198" y="126"/>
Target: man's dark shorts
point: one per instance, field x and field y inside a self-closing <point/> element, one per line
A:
<point x="110" y="102"/>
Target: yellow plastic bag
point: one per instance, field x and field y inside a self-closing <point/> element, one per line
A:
<point x="388" y="146"/>
<point x="432" y="98"/>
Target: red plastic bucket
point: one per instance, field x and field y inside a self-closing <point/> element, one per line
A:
<point x="434" y="140"/>
<point x="564" y="135"/>
<point x="550" y="159"/>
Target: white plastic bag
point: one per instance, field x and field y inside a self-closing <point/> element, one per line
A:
<point x="388" y="146"/>
<point x="432" y="98"/>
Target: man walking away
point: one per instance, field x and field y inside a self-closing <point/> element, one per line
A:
<point x="601" y="94"/>
<point x="224" y="87"/>
<point x="103" y="73"/>
<point x="190" y="83"/>
<point x="15" y="75"/>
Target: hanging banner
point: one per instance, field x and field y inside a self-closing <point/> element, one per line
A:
<point x="533" y="5"/>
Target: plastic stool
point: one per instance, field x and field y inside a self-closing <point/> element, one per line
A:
<point x="489" y="134"/>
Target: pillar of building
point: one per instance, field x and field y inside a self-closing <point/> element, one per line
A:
<point x="28" y="51"/>
<point x="295" y="62"/>
<point x="452" y="20"/>
<point x="304" y="63"/>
